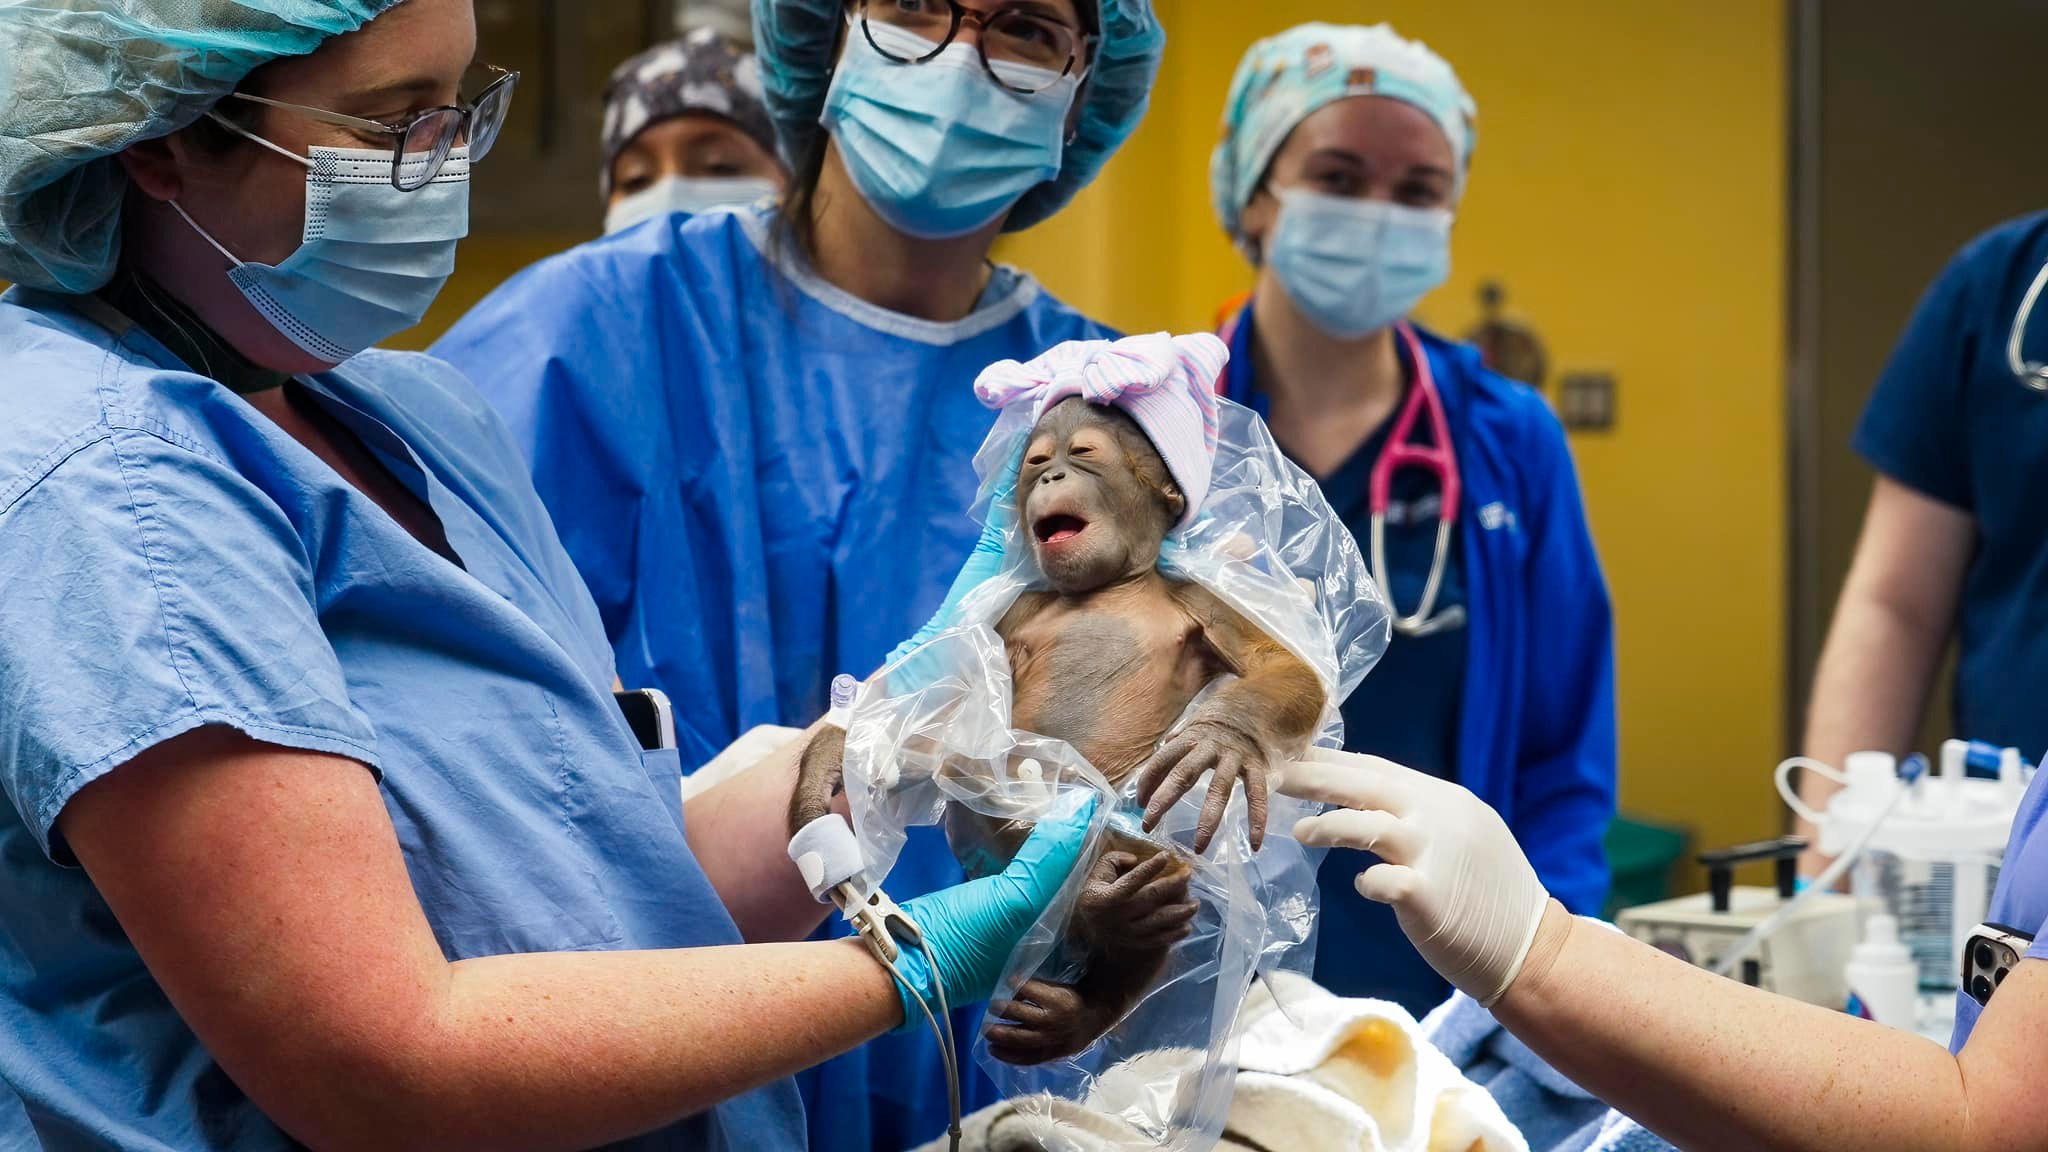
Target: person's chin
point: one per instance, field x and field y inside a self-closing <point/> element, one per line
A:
<point x="266" y="347"/>
<point x="257" y="340"/>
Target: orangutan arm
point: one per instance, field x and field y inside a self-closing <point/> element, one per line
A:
<point x="1272" y="707"/>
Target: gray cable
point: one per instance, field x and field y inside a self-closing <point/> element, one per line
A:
<point x="942" y="1032"/>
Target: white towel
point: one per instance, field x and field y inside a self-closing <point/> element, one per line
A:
<point x="1316" y="1071"/>
<point x="1053" y="1124"/>
<point x="750" y="749"/>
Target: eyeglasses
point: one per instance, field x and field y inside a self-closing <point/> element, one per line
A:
<point x="1024" y="48"/>
<point x="433" y="132"/>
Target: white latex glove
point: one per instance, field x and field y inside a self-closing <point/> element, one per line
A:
<point x="1461" y="888"/>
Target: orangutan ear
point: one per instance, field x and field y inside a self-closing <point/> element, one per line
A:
<point x="1175" y="502"/>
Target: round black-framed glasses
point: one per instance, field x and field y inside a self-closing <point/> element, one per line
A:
<point x="1025" y="47"/>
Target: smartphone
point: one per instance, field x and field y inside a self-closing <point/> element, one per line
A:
<point x="1993" y="950"/>
<point x="649" y="715"/>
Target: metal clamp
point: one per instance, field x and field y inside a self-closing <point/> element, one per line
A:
<point x="880" y="922"/>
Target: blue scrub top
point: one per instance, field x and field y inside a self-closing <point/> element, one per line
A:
<point x="1407" y="710"/>
<point x="766" y="482"/>
<point x="173" y="559"/>
<point x="2020" y="900"/>
<point x="1949" y="421"/>
<point x="1517" y="706"/>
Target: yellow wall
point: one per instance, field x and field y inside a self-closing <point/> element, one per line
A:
<point x="1629" y="188"/>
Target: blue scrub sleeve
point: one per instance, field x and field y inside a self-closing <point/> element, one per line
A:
<point x="151" y="589"/>
<point x="1914" y="429"/>
<point x="1564" y="785"/>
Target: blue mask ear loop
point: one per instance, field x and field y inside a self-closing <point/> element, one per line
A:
<point x="238" y="130"/>
<point x="205" y="235"/>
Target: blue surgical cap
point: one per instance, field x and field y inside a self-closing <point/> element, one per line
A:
<point x="80" y="80"/>
<point x="795" y="40"/>
<point x="1287" y="78"/>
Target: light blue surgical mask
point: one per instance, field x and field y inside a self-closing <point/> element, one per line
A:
<point x="371" y="258"/>
<point x="692" y="195"/>
<point x="937" y="149"/>
<point x="1355" y="266"/>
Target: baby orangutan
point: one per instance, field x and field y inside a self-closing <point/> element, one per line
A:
<point x="1107" y="659"/>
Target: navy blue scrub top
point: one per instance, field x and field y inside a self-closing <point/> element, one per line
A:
<point x="1949" y="420"/>
<point x="1406" y="710"/>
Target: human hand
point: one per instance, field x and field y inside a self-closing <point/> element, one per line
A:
<point x="1464" y="893"/>
<point x="1211" y="746"/>
<point x="973" y="927"/>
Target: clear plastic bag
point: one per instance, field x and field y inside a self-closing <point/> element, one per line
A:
<point x="932" y="730"/>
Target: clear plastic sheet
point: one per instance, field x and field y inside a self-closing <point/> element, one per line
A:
<point x="929" y="741"/>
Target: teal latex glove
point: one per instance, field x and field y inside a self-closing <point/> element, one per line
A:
<point x="982" y="564"/>
<point x="973" y="927"/>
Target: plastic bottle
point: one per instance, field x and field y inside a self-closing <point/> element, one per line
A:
<point x="1884" y="981"/>
<point x="1933" y="862"/>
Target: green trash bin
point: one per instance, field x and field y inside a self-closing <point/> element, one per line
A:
<point x="1641" y="855"/>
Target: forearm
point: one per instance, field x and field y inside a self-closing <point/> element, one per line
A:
<point x="1896" y="610"/>
<point x="267" y="893"/>
<point x="1277" y="705"/>
<point x="1708" y="1063"/>
<point x="1870" y="689"/>
<point x="738" y="831"/>
<point x="577" y="1049"/>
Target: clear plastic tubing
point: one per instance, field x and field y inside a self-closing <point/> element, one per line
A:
<point x="1910" y="771"/>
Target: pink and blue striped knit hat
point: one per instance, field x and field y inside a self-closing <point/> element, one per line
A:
<point x="1166" y="383"/>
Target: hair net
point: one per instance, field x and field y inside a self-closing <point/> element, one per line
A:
<point x="795" y="39"/>
<point x="702" y="72"/>
<point x="80" y="80"/>
<point x="1285" y="79"/>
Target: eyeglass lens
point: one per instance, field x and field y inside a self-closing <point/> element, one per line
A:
<point x="1024" y="47"/>
<point x="432" y="136"/>
<point x="429" y="139"/>
<point x="489" y="116"/>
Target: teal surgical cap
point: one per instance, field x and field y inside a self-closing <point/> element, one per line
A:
<point x="1285" y="79"/>
<point x="80" y="80"/>
<point x="795" y="40"/>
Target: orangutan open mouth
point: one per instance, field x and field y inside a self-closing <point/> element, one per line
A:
<point x="1058" y="528"/>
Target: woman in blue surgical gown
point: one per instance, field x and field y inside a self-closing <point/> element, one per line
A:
<point x="755" y="428"/>
<point x="322" y="827"/>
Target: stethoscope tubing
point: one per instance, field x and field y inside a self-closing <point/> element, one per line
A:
<point x="2033" y="375"/>
<point x="1438" y="457"/>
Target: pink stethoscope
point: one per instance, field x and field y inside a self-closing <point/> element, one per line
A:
<point x="1437" y="457"/>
